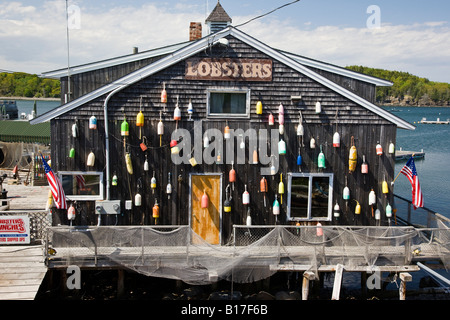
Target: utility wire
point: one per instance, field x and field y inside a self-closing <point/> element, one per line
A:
<point x="265" y="14"/>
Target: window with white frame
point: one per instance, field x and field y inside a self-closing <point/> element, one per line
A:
<point x="80" y="185"/>
<point x="228" y="103"/>
<point x="310" y="196"/>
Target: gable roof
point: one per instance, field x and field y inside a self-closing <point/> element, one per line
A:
<point x="199" y="45"/>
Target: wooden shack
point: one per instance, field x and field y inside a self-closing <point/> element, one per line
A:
<point x="226" y="80"/>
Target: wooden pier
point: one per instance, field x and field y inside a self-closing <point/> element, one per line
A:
<point x="22" y="269"/>
<point x="405" y="155"/>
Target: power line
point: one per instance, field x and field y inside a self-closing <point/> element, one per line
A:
<point x="265" y="14"/>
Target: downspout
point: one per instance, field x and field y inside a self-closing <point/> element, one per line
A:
<point x="108" y="170"/>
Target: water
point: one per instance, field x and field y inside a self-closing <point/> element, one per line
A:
<point x="433" y="171"/>
<point x="42" y="106"/>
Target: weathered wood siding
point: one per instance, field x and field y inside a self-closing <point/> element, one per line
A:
<point x="353" y="120"/>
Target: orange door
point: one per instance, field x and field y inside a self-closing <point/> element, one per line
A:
<point x="206" y="222"/>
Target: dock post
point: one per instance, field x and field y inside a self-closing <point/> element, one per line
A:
<point x="404" y="277"/>
<point x="307" y="276"/>
<point x="337" y="282"/>
<point x="120" y="283"/>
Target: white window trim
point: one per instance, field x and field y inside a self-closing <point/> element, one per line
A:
<point x="330" y="198"/>
<point x="85" y="173"/>
<point x="228" y="115"/>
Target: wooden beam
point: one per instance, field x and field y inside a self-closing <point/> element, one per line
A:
<point x="307" y="276"/>
<point x="337" y="282"/>
<point x="404" y="277"/>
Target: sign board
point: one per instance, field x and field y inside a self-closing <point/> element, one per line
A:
<point x="229" y="69"/>
<point x="14" y="230"/>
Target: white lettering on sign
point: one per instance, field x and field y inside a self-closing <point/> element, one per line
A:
<point x="229" y="69"/>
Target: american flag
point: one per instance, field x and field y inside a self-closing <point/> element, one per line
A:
<point x="409" y="170"/>
<point x="55" y="186"/>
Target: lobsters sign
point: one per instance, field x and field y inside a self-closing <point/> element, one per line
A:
<point x="14" y="230"/>
<point x="229" y="69"/>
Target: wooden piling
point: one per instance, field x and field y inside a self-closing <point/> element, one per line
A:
<point x="307" y="276"/>
<point x="404" y="277"/>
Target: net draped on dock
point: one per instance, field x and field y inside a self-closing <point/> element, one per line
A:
<point x="253" y="254"/>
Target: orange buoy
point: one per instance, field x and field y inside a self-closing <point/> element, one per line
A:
<point x="205" y="200"/>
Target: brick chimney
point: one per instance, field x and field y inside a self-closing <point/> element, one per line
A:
<point x="195" y="31"/>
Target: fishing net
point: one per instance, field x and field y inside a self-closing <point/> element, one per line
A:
<point x="255" y="252"/>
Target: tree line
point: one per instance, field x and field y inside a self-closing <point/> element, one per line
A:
<point x="20" y="84"/>
<point x="407" y="86"/>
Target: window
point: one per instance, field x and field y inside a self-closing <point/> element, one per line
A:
<point x="80" y="185"/>
<point x="228" y="103"/>
<point x="310" y="196"/>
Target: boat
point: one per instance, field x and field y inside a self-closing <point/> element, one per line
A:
<point x="8" y="110"/>
<point x="437" y="121"/>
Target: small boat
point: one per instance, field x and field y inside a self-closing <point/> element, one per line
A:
<point x="8" y="110"/>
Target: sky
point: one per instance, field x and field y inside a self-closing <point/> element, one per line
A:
<point x="404" y="35"/>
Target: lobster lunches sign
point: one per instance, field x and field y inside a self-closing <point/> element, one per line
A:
<point x="14" y="230"/>
<point x="229" y="69"/>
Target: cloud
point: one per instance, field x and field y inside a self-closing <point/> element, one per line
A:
<point x="409" y="48"/>
<point x="33" y="38"/>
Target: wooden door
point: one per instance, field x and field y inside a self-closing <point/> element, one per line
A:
<point x="206" y="222"/>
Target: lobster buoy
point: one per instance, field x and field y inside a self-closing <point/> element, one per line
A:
<point x="93" y="122"/>
<point x="190" y="109"/>
<point x="281" y="188"/>
<point x="281" y="128"/>
<point x="232" y="176"/>
<point x="137" y="200"/>
<point x="388" y="211"/>
<point x="226" y="132"/>
<point x="385" y="187"/>
<point x="299" y="160"/>
<point x="377" y="214"/>
<point x="128" y="163"/>
<point x="255" y="157"/>
<point x="259" y="107"/>
<point x="146" y="165"/>
<point x="174" y="147"/>
<point x="155" y="210"/>
<point x="312" y="143"/>
<point x="271" y="120"/>
<point x="276" y="207"/>
<point x="300" y="129"/>
<point x="71" y="213"/>
<point x="391" y="148"/>
<point x="245" y="196"/>
<point x="227" y="202"/>
<point x="319" y="230"/>
<point x="357" y="208"/>
<point x="140" y="119"/>
<point x="227" y="206"/>
<point x="352" y="158"/>
<point x="318" y="107"/>
<point x="372" y="198"/>
<point x="74" y="130"/>
<point x="280" y="114"/>
<point x="336" y="140"/>
<point x="364" y="166"/>
<point x="177" y="113"/>
<point x="263" y="188"/>
<point x="205" y="142"/>
<point x="273" y="170"/>
<point x="169" y="186"/>
<point x="91" y="159"/>
<point x="205" y="200"/>
<point x="248" y="221"/>
<point x="321" y="159"/>
<point x="72" y="153"/>
<point x="160" y="129"/>
<point x="346" y="193"/>
<point x="114" y="180"/>
<point x="336" y="210"/>
<point x="379" y="149"/>
<point x="282" y="147"/>
<point x="164" y="94"/>
<point x="124" y="128"/>
<point x="153" y="183"/>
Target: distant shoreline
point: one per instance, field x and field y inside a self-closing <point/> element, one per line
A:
<point x="26" y="98"/>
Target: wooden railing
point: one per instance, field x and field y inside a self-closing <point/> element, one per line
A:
<point x="421" y="217"/>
